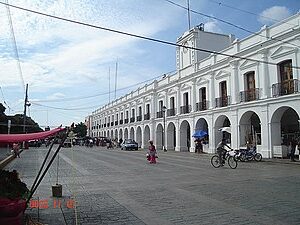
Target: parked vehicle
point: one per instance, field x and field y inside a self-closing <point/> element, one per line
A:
<point x="249" y="155"/>
<point x="129" y="144"/>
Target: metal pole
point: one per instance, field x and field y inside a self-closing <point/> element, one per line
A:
<point x="189" y="14"/>
<point x="8" y="132"/>
<point x="164" y="129"/>
<point x="25" y="106"/>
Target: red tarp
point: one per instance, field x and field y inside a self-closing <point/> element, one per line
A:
<point x="11" y="138"/>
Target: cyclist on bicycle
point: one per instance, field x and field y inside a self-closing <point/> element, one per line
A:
<point x="222" y="151"/>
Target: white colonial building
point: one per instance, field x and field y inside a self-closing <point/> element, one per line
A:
<point x="256" y="94"/>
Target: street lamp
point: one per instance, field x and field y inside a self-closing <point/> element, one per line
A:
<point x="164" y="108"/>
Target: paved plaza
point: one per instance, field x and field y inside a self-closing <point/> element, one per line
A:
<point x="120" y="187"/>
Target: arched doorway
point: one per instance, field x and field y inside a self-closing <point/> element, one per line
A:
<point x="222" y="121"/>
<point x="203" y="125"/>
<point x="139" y="136"/>
<point x="120" y="134"/>
<point x="111" y="134"/>
<point x="125" y="133"/>
<point x="250" y="129"/>
<point x="285" y="126"/>
<point x="104" y="134"/>
<point x="171" y="136"/>
<point x="116" y="134"/>
<point x="146" y="135"/>
<point x="185" y="136"/>
<point x="132" y="133"/>
<point x="159" y="137"/>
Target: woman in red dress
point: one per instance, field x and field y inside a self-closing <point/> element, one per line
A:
<point x="152" y="152"/>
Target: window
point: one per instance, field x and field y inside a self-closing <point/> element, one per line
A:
<point x="148" y="109"/>
<point x="160" y="105"/>
<point x="172" y="103"/>
<point x="250" y="80"/>
<point x="285" y="70"/>
<point x="223" y="89"/>
<point x="140" y="110"/>
<point x="202" y="94"/>
<point x="185" y="98"/>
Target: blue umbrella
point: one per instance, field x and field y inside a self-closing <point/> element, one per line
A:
<point x="199" y="134"/>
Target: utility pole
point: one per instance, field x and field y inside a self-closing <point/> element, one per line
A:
<point x="25" y="106"/>
<point x="189" y="14"/>
<point x="116" y="79"/>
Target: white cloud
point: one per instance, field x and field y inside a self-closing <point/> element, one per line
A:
<point x="212" y="26"/>
<point x="273" y="14"/>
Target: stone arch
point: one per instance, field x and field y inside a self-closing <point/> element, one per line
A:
<point x="139" y="136"/>
<point x="171" y="136"/>
<point x="125" y="133"/>
<point x="131" y="133"/>
<point x="185" y="136"/>
<point x="285" y="126"/>
<point x="121" y="134"/>
<point x="250" y="129"/>
<point x="222" y="121"/>
<point x="146" y="135"/>
<point x="159" y="137"/>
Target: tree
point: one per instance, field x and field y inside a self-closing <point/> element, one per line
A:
<point x="80" y="130"/>
<point x="2" y="109"/>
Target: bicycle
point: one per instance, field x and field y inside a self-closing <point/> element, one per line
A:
<point x="229" y="156"/>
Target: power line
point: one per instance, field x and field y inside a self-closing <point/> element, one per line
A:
<point x="149" y="38"/>
<point x="229" y="23"/>
<point x="97" y="95"/>
<point x="12" y="33"/>
<point x="248" y="12"/>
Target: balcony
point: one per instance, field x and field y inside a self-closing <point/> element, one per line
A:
<point x="126" y="120"/>
<point x="249" y="95"/>
<point x="116" y="123"/>
<point x="200" y="106"/>
<point x="132" y="119"/>
<point x="139" y="118"/>
<point x="104" y="125"/>
<point x="112" y="123"/>
<point x="223" y="101"/>
<point x="121" y="122"/>
<point x="160" y="114"/>
<point x="147" y="116"/>
<point x="171" y="112"/>
<point x="285" y="88"/>
<point x="185" y="109"/>
<point x="107" y="124"/>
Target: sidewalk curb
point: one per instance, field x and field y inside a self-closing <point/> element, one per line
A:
<point x="7" y="160"/>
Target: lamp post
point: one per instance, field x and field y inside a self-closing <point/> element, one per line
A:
<point x="164" y="108"/>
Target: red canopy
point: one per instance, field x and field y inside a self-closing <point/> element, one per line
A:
<point x="11" y="138"/>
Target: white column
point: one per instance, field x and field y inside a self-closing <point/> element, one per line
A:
<point x="264" y="74"/>
<point x="177" y="148"/>
<point x="234" y="131"/>
<point x="212" y="90"/>
<point x="234" y="82"/>
<point x="193" y="95"/>
<point x="178" y="99"/>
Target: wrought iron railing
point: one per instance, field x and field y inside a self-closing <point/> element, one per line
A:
<point x="285" y="88"/>
<point x="249" y="95"/>
<point x="185" y="109"/>
<point x="223" y="101"/>
<point x="200" y="106"/>
<point x="171" y="112"/>
<point x="147" y="116"/>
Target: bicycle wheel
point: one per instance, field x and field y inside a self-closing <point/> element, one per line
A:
<point x="215" y="162"/>
<point x="232" y="162"/>
<point x="257" y="157"/>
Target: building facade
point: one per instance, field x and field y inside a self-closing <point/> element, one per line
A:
<point x="250" y="85"/>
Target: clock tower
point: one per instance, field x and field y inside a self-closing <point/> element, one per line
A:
<point x="199" y="39"/>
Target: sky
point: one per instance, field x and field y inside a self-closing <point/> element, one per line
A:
<point x="68" y="66"/>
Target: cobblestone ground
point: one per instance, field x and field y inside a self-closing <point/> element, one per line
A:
<point x="118" y="187"/>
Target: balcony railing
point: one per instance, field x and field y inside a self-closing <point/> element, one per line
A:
<point x="112" y="123"/>
<point x="249" y="95"/>
<point x="200" y="106"/>
<point x="132" y="119"/>
<point x="160" y="114"/>
<point x="223" y="101"/>
<point x="107" y="124"/>
<point x="116" y="123"/>
<point x="171" y="112"/>
<point x="121" y="122"/>
<point x="104" y="125"/>
<point x="285" y="88"/>
<point x="147" y="116"/>
<point x="126" y="120"/>
<point x="139" y="118"/>
<point x="185" y="109"/>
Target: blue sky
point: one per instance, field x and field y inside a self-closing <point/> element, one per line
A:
<point x="64" y="63"/>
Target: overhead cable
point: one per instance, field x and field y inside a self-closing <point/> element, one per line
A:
<point x="146" y="38"/>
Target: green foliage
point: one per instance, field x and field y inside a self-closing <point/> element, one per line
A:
<point x="80" y="130"/>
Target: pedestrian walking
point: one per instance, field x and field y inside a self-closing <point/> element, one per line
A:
<point x="16" y="149"/>
<point x="152" y="152"/>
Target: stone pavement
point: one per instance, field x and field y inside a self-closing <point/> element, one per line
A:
<point x="118" y="187"/>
